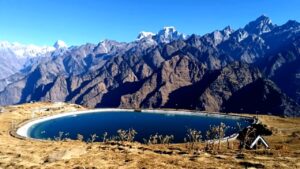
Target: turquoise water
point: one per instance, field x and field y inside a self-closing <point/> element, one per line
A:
<point x="145" y="124"/>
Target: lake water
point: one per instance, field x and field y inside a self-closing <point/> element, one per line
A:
<point x="145" y="124"/>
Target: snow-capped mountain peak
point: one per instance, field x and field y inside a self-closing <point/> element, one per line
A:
<point x="22" y="51"/>
<point x="228" y="30"/>
<point x="144" y="34"/>
<point x="169" y="29"/>
<point x="168" y="34"/>
<point x="15" y="56"/>
<point x="60" y="44"/>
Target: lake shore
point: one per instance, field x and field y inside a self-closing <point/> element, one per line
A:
<point x="26" y="153"/>
<point x="23" y="128"/>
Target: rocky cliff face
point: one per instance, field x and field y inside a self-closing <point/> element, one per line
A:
<point x="214" y="72"/>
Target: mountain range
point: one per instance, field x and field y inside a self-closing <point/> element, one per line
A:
<point x="254" y="69"/>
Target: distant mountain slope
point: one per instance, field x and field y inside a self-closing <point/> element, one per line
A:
<point x="213" y="72"/>
<point x="15" y="56"/>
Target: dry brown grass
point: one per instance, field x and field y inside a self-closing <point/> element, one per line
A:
<point x="18" y="153"/>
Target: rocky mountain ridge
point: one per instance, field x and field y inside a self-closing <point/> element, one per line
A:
<point x="16" y="56"/>
<point x="252" y="69"/>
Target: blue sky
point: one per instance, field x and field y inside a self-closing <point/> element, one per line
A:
<point x="76" y="22"/>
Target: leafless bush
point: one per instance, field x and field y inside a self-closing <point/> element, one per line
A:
<point x="104" y="137"/>
<point x="153" y="139"/>
<point x="211" y="136"/>
<point x="245" y="138"/>
<point x="66" y="136"/>
<point x="60" y="136"/>
<point x="193" y="137"/>
<point x="215" y="134"/>
<point x="126" y="135"/>
<point x="122" y="134"/>
<point x="159" y="139"/>
<point x="167" y="139"/>
<point x="93" y="138"/>
<point x="221" y="133"/>
<point x="80" y="137"/>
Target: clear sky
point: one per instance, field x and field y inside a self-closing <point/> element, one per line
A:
<point x="76" y="22"/>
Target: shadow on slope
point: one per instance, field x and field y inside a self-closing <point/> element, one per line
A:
<point x="262" y="97"/>
<point x="113" y="98"/>
<point x="188" y="97"/>
<point x="31" y="83"/>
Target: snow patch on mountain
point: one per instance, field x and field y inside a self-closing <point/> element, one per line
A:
<point x="60" y="44"/>
<point x="169" y="34"/>
<point x="166" y="35"/>
<point x="144" y="34"/>
<point x="22" y="51"/>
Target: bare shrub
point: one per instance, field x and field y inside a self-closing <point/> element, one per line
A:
<point x="214" y="135"/>
<point x="221" y="133"/>
<point x="66" y="136"/>
<point x="80" y="137"/>
<point x="153" y="139"/>
<point x="126" y="135"/>
<point x="93" y="138"/>
<point x="211" y="136"/>
<point x="159" y="139"/>
<point x="104" y="137"/>
<point x="248" y="135"/>
<point x="193" y="137"/>
<point x="60" y="136"/>
<point x="165" y="139"/>
<point x="122" y="134"/>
